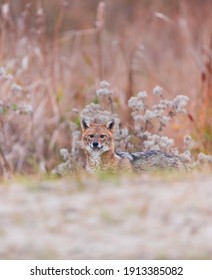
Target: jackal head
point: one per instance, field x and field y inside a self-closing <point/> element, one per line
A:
<point x="97" y="138"/>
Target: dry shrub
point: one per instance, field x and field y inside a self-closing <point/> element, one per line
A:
<point x="55" y="53"/>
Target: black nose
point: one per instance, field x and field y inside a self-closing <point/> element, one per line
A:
<point x="95" y="144"/>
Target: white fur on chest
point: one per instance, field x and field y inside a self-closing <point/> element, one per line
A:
<point x="93" y="162"/>
<point x="95" y="159"/>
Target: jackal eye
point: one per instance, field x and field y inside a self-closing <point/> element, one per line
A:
<point x="91" y="136"/>
<point x="102" y="136"/>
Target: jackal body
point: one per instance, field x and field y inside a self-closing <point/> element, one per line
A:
<point x="98" y="144"/>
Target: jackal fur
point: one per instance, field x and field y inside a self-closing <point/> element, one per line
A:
<point x="98" y="145"/>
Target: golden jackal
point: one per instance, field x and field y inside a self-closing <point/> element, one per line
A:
<point x="98" y="144"/>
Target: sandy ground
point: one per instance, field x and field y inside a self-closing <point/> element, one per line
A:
<point x="146" y="217"/>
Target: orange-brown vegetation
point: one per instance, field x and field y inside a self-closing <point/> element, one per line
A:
<point x="53" y="54"/>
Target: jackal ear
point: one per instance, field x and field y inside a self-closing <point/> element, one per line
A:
<point x="110" y="124"/>
<point x="85" y="124"/>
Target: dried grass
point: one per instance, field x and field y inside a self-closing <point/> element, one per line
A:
<point x="53" y="58"/>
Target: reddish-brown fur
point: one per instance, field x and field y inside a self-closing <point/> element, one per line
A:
<point x="98" y="144"/>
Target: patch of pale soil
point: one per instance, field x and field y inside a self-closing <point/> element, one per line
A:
<point x="122" y="218"/>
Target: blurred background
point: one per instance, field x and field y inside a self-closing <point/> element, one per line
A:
<point x="53" y="54"/>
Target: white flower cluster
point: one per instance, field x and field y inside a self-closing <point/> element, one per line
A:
<point x="164" y="120"/>
<point x="104" y="89"/>
<point x="71" y="160"/>
<point x="136" y="103"/>
<point x="15" y="102"/>
<point x="203" y="158"/>
<point x="150" y="115"/>
<point x="122" y="138"/>
<point x="187" y="140"/>
<point x="185" y="156"/>
<point x="156" y="142"/>
<point x="95" y="114"/>
<point x="142" y="94"/>
<point x="179" y="103"/>
<point x="155" y="119"/>
<point x="64" y="154"/>
<point x="157" y="91"/>
<point x="162" y="111"/>
<point x="163" y="105"/>
<point x="62" y="169"/>
<point x="143" y="116"/>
